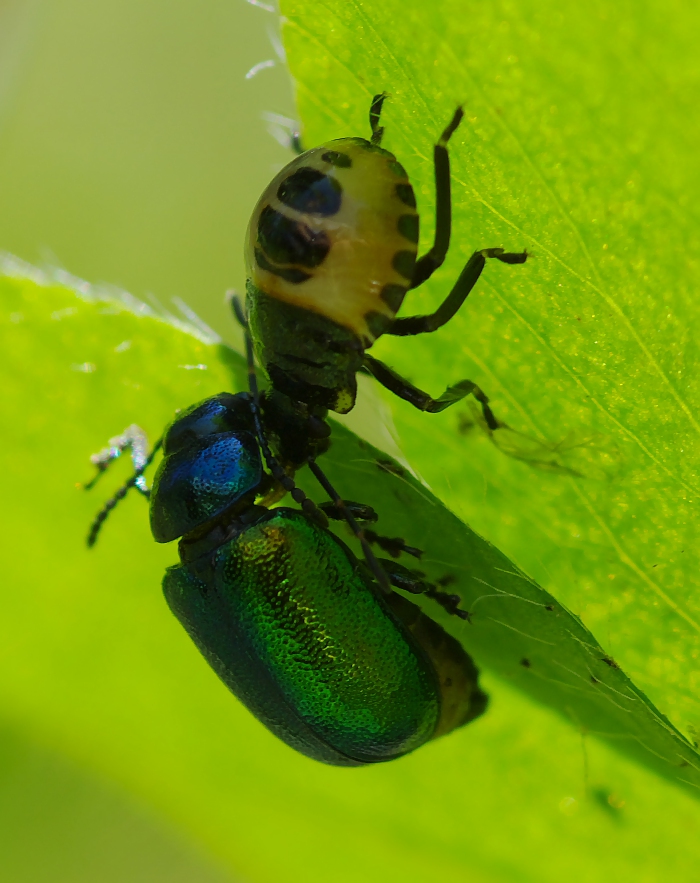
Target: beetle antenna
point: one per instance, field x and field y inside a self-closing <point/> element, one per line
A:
<point x="277" y="471"/>
<point x="133" y="438"/>
<point x="375" y="112"/>
<point x="136" y="480"/>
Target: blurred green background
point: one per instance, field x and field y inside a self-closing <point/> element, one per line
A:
<point x="132" y="146"/>
<point x="132" y="149"/>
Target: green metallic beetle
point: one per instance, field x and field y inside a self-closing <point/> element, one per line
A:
<point x="318" y="644"/>
<point x="294" y="625"/>
<point x="331" y="251"/>
<point x="333" y="661"/>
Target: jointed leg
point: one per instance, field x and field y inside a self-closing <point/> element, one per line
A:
<point x="429" y="262"/>
<point x="396" y="574"/>
<point x="375" y="112"/>
<point x="421" y="400"/>
<point x="342" y="508"/>
<point x="399" y="576"/>
<point x="412" y="581"/>
<point x="454" y="300"/>
<point x="395" y="546"/>
<point x="359" y="511"/>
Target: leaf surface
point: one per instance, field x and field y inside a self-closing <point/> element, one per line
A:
<point x="95" y="662"/>
<point x="579" y="144"/>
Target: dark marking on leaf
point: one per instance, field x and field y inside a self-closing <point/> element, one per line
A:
<point x="391" y="467"/>
<point x="449" y="579"/>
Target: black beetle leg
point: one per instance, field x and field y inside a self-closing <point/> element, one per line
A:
<point x="377" y="571"/>
<point x="412" y="581"/>
<point x="395" y="546"/>
<point x="424" y="402"/>
<point x="468" y="278"/>
<point x="375" y="112"/>
<point x="449" y="602"/>
<point x="360" y="511"/>
<point x="429" y="262"/>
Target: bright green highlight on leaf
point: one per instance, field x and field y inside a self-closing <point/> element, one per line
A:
<point x="95" y="662"/>
<point x="580" y="144"/>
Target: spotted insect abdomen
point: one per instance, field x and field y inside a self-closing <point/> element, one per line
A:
<point x="287" y="247"/>
<point x="336" y="232"/>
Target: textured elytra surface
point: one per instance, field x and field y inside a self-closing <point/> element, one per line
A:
<point x="301" y="635"/>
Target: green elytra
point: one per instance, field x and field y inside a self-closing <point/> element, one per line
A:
<point x="337" y="673"/>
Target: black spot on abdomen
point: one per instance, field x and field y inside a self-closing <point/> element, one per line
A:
<point x="404" y="263"/>
<point x="408" y="227"/>
<point x="289" y="241"/>
<point x="310" y="191"/>
<point x="393" y="296"/>
<point x="336" y="158"/>
<point x="289" y="274"/>
<point x="406" y="195"/>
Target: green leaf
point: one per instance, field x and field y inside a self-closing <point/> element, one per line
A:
<point x="579" y="144"/>
<point x="515" y="628"/>
<point x="95" y="663"/>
